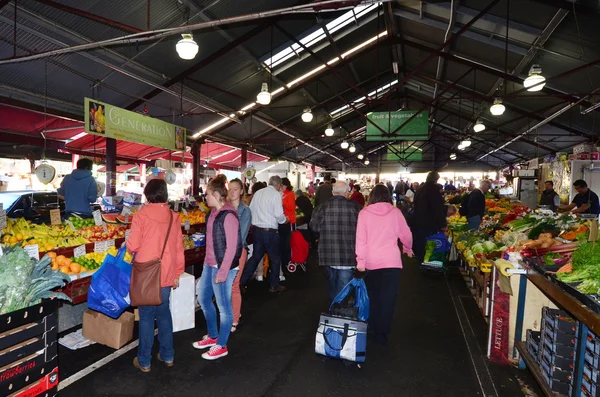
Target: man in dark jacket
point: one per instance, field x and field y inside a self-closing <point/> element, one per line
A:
<point x="549" y="196"/>
<point x="335" y="221"/>
<point x="429" y="213"/>
<point x="477" y="204"/>
<point x="323" y="192"/>
<point x="79" y="189"/>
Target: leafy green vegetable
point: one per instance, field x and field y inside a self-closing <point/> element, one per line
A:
<point x="478" y="248"/>
<point x="429" y="248"/>
<point x="588" y="254"/>
<point x="541" y="228"/>
<point x="549" y="258"/>
<point x="489" y="246"/>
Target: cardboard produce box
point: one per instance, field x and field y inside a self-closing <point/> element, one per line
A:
<point x="107" y="331"/>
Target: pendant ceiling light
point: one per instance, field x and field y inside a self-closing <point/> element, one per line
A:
<point x="264" y="96"/>
<point x="352" y="148"/>
<point x="497" y="109"/>
<point x="466" y="143"/>
<point x="535" y="77"/>
<point x="367" y="161"/>
<point x="329" y="130"/>
<point x="345" y="144"/>
<point x="187" y="48"/>
<point x="360" y="157"/>
<point x="479" y="126"/>
<point x="452" y="156"/>
<point x="307" y="115"/>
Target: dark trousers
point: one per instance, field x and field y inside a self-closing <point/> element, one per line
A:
<point x="337" y="279"/>
<point x="285" y="232"/>
<point x="383" y="286"/>
<point x="420" y="235"/>
<point x="264" y="242"/>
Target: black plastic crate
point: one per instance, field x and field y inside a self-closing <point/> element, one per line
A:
<point x="591" y="388"/>
<point x="556" y="386"/>
<point x="28" y="315"/>
<point x="559" y="337"/>
<point x="556" y="374"/>
<point x="592" y="359"/>
<point x="560" y="320"/>
<point x="558" y="349"/>
<point x="30" y="378"/>
<point x="590" y="372"/>
<point x="564" y="363"/>
<point x="29" y="364"/>
<point x="592" y="344"/>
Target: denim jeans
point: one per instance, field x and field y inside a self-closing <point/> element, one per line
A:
<point x="474" y="222"/>
<point x="207" y="288"/>
<point x="337" y="278"/>
<point x="162" y="314"/>
<point x="264" y="242"/>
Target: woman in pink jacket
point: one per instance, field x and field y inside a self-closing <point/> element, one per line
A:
<point x="380" y="226"/>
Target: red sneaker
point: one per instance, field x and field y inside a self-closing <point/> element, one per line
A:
<point x="215" y="352"/>
<point x="205" y="343"/>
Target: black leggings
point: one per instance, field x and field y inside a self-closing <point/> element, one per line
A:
<point x="383" y="286"/>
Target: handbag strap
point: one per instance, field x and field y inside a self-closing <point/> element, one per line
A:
<point x="168" y="233"/>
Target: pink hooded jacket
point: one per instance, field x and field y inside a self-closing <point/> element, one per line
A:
<point x="379" y="227"/>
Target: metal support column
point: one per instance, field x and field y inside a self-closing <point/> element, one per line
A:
<point x="111" y="166"/>
<point x="195" y="150"/>
<point x="244" y="163"/>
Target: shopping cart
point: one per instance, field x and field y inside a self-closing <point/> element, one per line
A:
<point x="437" y="250"/>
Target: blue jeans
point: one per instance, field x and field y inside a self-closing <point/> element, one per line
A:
<point x="162" y="314"/>
<point x="474" y="222"/>
<point x="337" y="278"/>
<point x="208" y="288"/>
<point x="265" y="242"/>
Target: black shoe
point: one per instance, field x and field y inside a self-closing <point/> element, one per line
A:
<point x="279" y="289"/>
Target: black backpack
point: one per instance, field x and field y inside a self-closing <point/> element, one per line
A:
<point x="464" y="205"/>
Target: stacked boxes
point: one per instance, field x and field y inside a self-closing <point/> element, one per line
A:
<point x="28" y="351"/>
<point x="590" y="384"/>
<point x="533" y="344"/>
<point x="557" y="349"/>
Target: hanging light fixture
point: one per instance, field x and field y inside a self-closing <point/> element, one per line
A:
<point x="466" y="143"/>
<point x="329" y="130"/>
<point x="187" y="48"/>
<point x="452" y="156"/>
<point x="367" y="161"/>
<point x="345" y="144"/>
<point x="479" y="126"/>
<point x="264" y="96"/>
<point x="535" y="77"/>
<point x="497" y="109"/>
<point x="461" y="147"/>
<point x="360" y="157"/>
<point x="307" y="115"/>
<point x="352" y="148"/>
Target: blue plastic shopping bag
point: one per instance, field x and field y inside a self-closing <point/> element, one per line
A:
<point x="109" y="289"/>
<point x="352" y="301"/>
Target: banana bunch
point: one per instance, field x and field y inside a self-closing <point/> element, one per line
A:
<point x="503" y="266"/>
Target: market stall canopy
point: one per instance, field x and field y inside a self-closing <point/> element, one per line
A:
<point x="120" y="168"/>
<point x="29" y="122"/>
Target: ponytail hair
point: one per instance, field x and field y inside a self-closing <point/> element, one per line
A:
<point x="219" y="184"/>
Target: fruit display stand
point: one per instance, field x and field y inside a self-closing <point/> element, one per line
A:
<point x="29" y="351"/>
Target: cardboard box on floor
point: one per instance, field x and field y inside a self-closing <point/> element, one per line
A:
<point x="107" y="331"/>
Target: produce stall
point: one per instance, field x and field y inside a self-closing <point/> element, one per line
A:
<point x="536" y="278"/>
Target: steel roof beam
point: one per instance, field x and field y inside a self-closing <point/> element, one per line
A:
<point x="90" y="16"/>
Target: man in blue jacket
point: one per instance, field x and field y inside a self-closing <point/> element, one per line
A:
<point x="79" y="189"/>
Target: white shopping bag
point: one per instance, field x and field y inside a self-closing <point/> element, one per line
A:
<point x="182" y="304"/>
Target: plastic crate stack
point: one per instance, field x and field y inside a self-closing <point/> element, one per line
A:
<point x="28" y="351"/>
<point x="557" y="349"/>
<point x="590" y="383"/>
<point x="533" y="344"/>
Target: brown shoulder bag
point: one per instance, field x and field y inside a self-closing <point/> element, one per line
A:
<point x="145" y="278"/>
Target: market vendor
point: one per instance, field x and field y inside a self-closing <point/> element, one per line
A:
<point x="585" y="202"/>
<point x="549" y="196"/>
<point x="79" y="189"/>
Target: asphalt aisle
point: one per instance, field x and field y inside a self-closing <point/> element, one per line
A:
<point x="272" y="354"/>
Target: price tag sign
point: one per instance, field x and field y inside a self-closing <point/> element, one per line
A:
<point x="176" y="208"/>
<point x="127" y="232"/>
<point x="55" y="217"/>
<point x="70" y="224"/>
<point x="79" y="251"/>
<point x="2" y="219"/>
<point x="97" y="218"/>
<point x="110" y="243"/>
<point x="33" y="251"/>
<point x="126" y="211"/>
<point x="100" y="246"/>
<point x="186" y="226"/>
<point x="184" y="211"/>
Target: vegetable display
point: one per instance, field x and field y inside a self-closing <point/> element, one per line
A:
<point x="25" y="281"/>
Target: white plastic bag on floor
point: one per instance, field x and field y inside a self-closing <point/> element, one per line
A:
<point x="183" y="304"/>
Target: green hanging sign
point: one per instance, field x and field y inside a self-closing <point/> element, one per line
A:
<point x="404" y="152"/>
<point x="416" y="129"/>
<point x="112" y="122"/>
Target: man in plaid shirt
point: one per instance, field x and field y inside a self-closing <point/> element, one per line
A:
<point x="335" y="221"/>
